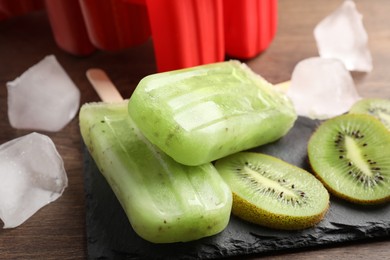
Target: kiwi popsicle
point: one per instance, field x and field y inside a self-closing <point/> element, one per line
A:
<point x="164" y="201"/>
<point x="200" y="114"/>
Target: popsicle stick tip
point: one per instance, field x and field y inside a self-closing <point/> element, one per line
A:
<point x="283" y="86"/>
<point x="103" y="85"/>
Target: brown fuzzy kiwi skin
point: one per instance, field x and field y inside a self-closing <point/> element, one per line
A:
<point x="249" y="212"/>
<point x="340" y="195"/>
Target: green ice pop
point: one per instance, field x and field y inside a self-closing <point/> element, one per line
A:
<point x="200" y="114"/>
<point x="164" y="200"/>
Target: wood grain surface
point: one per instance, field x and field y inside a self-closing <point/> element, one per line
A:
<point x="57" y="231"/>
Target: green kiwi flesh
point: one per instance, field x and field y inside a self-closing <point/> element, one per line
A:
<point x="273" y="193"/>
<point x="350" y="154"/>
<point x="379" y="108"/>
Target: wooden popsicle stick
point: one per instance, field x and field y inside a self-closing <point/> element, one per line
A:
<point x="103" y="85"/>
<point x="283" y="86"/>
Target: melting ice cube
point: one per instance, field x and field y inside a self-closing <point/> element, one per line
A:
<point x="322" y="88"/>
<point x="31" y="175"/>
<point x="341" y="35"/>
<point x="43" y="97"/>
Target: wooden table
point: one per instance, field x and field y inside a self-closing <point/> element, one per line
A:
<point x="57" y="231"/>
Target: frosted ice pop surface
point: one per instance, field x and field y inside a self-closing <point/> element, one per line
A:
<point x="164" y="200"/>
<point x="201" y="114"/>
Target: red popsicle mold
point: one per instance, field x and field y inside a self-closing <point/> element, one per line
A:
<point x="249" y="26"/>
<point x="185" y="33"/>
<point x="68" y="26"/>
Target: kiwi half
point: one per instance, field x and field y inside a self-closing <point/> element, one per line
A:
<point x="379" y="108"/>
<point x="350" y="154"/>
<point x="273" y="193"/>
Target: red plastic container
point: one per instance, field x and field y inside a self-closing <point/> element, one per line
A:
<point x="250" y="26"/>
<point x="186" y="32"/>
<point x="115" y="24"/>
<point x="68" y="26"/>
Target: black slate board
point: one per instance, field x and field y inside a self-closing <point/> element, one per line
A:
<point x="110" y="235"/>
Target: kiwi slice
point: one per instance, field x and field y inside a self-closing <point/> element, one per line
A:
<point x="377" y="107"/>
<point x="273" y="193"/>
<point x="350" y="154"/>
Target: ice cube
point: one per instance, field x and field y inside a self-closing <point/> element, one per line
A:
<point x="43" y="97"/>
<point x="342" y="35"/>
<point x="32" y="175"/>
<point x="322" y="88"/>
